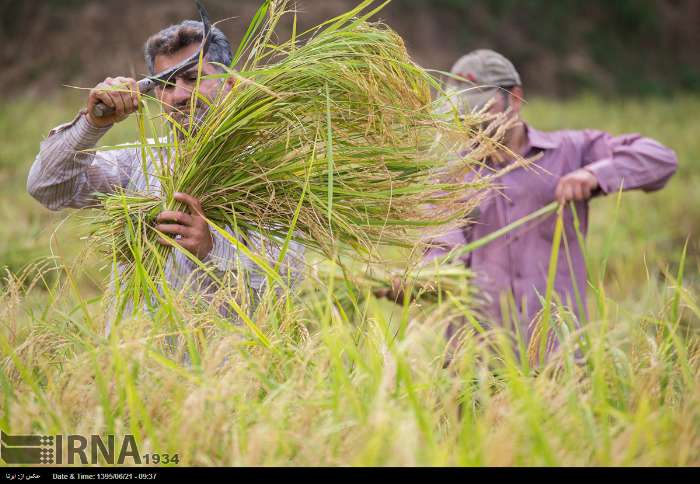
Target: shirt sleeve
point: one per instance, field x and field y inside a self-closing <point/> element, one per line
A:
<point x="442" y="245"/>
<point x="230" y="266"/>
<point x="225" y="256"/>
<point x="68" y="172"/>
<point x="627" y="162"/>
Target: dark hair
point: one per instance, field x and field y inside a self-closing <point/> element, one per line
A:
<point x="176" y="37"/>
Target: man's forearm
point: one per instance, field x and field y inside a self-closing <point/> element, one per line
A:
<point x="64" y="173"/>
<point x="635" y="163"/>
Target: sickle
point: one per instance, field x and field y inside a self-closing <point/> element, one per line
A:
<point x="147" y="84"/>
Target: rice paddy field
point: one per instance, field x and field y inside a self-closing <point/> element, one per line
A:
<point x="317" y="381"/>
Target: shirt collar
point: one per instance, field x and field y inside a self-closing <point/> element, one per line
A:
<point x="540" y="139"/>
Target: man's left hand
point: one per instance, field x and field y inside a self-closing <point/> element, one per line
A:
<point x="192" y="228"/>
<point x="576" y="186"/>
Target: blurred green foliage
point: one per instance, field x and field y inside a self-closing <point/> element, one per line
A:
<point x="561" y="47"/>
<point x="636" y="46"/>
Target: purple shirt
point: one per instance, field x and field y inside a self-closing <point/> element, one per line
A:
<point x="517" y="263"/>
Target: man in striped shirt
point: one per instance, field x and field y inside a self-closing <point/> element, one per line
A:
<point x="67" y="171"/>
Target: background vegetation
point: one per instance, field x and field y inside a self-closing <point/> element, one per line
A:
<point x="625" y="47"/>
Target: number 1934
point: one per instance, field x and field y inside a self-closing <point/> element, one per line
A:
<point x="161" y="459"/>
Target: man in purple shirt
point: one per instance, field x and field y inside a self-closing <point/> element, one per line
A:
<point x="571" y="166"/>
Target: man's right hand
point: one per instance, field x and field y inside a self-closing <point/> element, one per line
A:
<point x="394" y="293"/>
<point x="119" y="93"/>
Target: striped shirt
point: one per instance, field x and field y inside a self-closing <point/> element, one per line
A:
<point x="68" y="173"/>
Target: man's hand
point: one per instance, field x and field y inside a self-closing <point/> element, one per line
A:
<point x="395" y="293"/>
<point x="120" y="93"/>
<point x="192" y="229"/>
<point x="576" y="186"/>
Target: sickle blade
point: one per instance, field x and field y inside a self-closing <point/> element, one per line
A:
<point x="194" y="59"/>
<point x="147" y="84"/>
<point x="204" y="16"/>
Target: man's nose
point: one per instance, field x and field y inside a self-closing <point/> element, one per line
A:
<point x="181" y="93"/>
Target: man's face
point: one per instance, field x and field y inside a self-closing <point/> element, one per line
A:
<point x="508" y="99"/>
<point x="175" y="97"/>
<point x="505" y="101"/>
<point x="499" y="103"/>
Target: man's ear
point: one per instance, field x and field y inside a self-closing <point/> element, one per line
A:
<point x="516" y="98"/>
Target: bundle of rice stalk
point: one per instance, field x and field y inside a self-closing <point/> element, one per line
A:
<point x="330" y="138"/>
<point x="429" y="283"/>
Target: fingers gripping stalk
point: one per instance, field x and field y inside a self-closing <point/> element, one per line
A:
<point x="103" y="109"/>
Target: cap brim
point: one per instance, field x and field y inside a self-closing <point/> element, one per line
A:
<point x="477" y="97"/>
<point x="468" y="99"/>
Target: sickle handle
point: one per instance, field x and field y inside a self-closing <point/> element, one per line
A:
<point x="144" y="86"/>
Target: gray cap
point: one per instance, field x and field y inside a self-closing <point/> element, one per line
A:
<point x="481" y="73"/>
